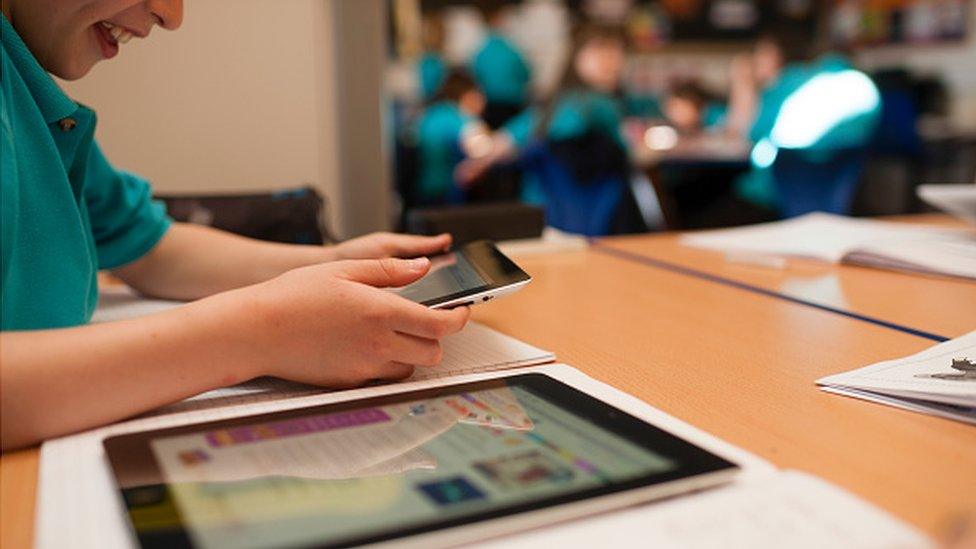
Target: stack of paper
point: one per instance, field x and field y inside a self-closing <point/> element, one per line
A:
<point x="940" y="380"/>
<point x="838" y="239"/>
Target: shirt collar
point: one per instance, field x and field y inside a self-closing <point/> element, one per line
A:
<point x="51" y="100"/>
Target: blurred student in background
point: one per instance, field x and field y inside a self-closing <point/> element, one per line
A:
<point x="431" y="68"/>
<point x="690" y="109"/>
<point x="449" y="131"/>
<point x="572" y="147"/>
<point x="500" y="70"/>
<point x="811" y="119"/>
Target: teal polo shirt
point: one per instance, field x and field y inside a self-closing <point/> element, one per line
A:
<point x="501" y="72"/>
<point x="842" y="128"/>
<point x="439" y="133"/>
<point x="432" y="71"/>
<point x="575" y="113"/>
<point x="65" y="211"/>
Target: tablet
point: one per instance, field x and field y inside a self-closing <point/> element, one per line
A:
<point x="470" y="274"/>
<point x="436" y="466"/>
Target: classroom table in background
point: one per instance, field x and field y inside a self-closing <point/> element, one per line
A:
<point x="705" y="148"/>
<point x="691" y="172"/>
<point x="737" y="364"/>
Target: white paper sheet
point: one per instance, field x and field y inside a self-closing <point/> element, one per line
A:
<point x="958" y="200"/>
<point x="926" y="376"/>
<point x="78" y="505"/>
<point x="947" y="411"/>
<point x="788" y="509"/>
<point x="120" y="303"/>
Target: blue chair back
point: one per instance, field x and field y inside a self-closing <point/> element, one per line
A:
<point x="897" y="134"/>
<point x="824" y="183"/>
<point x="588" y="209"/>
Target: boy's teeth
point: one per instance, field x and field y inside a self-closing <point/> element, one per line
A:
<point x="107" y="25"/>
<point x="116" y="32"/>
<point x="124" y="37"/>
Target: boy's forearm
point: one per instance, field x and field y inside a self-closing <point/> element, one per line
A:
<point x="193" y="261"/>
<point x="61" y="381"/>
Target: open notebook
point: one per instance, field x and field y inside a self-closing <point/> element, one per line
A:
<point x="940" y="381"/>
<point x="476" y="348"/>
<point x="839" y="239"/>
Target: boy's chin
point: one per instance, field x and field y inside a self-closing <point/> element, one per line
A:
<point x="72" y="70"/>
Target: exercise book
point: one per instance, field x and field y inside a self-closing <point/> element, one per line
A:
<point x="904" y="247"/>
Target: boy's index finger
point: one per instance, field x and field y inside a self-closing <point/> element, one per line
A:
<point x="418" y="320"/>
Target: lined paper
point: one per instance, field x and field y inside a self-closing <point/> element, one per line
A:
<point x="476" y="348"/>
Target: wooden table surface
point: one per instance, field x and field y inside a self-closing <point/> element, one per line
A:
<point x="739" y="365"/>
<point x="936" y="305"/>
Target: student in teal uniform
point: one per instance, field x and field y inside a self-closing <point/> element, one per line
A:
<point x="446" y="132"/>
<point x="580" y="125"/>
<point x="785" y="99"/>
<point x="585" y="103"/>
<point x="295" y="312"/>
<point x="500" y="69"/>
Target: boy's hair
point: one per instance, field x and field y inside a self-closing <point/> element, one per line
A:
<point x="491" y="9"/>
<point x="457" y="83"/>
<point x="796" y="45"/>
<point x="691" y="91"/>
<point x="587" y="32"/>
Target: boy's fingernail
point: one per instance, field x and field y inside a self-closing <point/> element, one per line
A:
<point x="417" y="264"/>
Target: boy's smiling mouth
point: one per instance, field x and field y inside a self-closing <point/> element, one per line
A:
<point x="110" y="36"/>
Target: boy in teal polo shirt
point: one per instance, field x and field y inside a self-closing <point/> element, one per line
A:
<point x="295" y="312"/>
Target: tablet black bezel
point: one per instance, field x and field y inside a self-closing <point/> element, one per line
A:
<point x="137" y="470"/>
<point x="491" y="264"/>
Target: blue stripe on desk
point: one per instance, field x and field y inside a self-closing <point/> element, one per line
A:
<point x="687" y="271"/>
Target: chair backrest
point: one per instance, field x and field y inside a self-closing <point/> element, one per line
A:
<point x="825" y="182"/>
<point x="589" y="208"/>
<point x="489" y="221"/>
<point x="294" y="216"/>
<point x="897" y="134"/>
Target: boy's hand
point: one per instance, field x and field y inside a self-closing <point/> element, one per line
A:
<point x="331" y="325"/>
<point x="380" y="245"/>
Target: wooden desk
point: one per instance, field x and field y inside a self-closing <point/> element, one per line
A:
<point x="727" y="361"/>
<point x="934" y="305"/>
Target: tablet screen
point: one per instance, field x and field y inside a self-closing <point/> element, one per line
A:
<point x="389" y="467"/>
<point x="471" y="269"/>
<point x="450" y="274"/>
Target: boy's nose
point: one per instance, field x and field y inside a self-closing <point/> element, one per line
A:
<point x="168" y="12"/>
